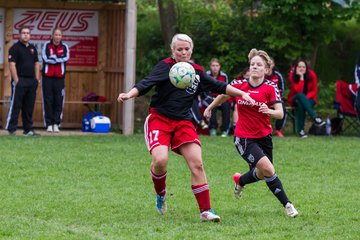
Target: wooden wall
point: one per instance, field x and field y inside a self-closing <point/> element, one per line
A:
<point x="106" y="79"/>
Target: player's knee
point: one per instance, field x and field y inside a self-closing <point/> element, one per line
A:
<point x="265" y="167"/>
<point x="268" y="171"/>
<point x="197" y="169"/>
<point x="159" y="162"/>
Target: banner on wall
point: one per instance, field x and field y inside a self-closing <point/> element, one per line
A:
<point x="2" y="24"/>
<point x="80" y="31"/>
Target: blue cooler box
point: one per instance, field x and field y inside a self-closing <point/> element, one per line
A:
<point x="100" y="124"/>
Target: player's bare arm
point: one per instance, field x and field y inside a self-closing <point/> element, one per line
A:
<point x="220" y="99"/>
<point x="134" y="92"/>
<point x="230" y="90"/>
<point x="277" y="112"/>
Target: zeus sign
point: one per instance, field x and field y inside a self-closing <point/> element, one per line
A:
<point x="80" y="31"/>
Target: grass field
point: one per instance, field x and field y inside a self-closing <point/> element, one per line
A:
<point x="99" y="187"/>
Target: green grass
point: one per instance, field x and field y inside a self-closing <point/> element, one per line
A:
<point x="99" y="187"/>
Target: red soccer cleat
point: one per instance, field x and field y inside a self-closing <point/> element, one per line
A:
<point x="238" y="189"/>
<point x="279" y="133"/>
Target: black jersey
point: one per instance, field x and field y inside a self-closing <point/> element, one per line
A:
<point x="173" y="102"/>
<point x="25" y="57"/>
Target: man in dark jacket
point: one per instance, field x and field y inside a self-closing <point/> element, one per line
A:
<point x="25" y="72"/>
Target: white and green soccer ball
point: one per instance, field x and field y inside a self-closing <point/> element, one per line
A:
<point x="182" y="75"/>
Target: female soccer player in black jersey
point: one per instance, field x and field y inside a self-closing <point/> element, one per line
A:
<point x="253" y="139"/>
<point x="169" y="123"/>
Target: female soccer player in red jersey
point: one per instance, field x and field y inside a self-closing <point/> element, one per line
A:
<point x="253" y="139"/>
<point x="169" y="123"/>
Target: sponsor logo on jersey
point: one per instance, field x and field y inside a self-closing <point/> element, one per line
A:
<point x="192" y="89"/>
<point x="243" y="102"/>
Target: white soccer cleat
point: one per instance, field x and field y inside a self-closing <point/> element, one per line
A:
<point x="238" y="189"/>
<point x="290" y="210"/>
<point x="161" y="205"/>
<point x="56" y="128"/>
<point x="49" y="128"/>
<point x="209" y="216"/>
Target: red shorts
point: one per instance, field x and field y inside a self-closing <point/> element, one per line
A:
<point x="160" y="130"/>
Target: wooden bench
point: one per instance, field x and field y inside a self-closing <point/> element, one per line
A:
<point x="93" y="106"/>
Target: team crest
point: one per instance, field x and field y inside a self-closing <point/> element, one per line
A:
<point x="251" y="158"/>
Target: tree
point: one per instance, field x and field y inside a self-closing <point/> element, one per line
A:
<point x="168" y="19"/>
<point x="286" y="29"/>
<point x="299" y="27"/>
<point x="323" y="31"/>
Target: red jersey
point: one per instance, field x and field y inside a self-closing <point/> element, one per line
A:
<point x="55" y="58"/>
<point x="252" y="123"/>
<point x="295" y="88"/>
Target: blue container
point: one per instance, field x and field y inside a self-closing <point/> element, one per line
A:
<point x="100" y="124"/>
<point x="86" y="121"/>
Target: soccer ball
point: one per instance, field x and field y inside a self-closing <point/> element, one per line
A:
<point x="182" y="75"/>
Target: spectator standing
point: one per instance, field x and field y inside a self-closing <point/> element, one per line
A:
<point x="25" y="72"/>
<point x="253" y="139"/>
<point x="275" y="76"/>
<point x="169" y="123"/>
<point x="215" y="72"/>
<point x="55" y="54"/>
<point x="303" y="95"/>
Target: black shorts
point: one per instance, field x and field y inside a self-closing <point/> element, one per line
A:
<point x="253" y="149"/>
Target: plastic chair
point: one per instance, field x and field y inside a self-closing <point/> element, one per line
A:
<point x="344" y="104"/>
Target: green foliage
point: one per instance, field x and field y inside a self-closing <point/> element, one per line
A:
<point x="99" y="187"/>
<point x="229" y="29"/>
<point x="150" y="48"/>
<point x="322" y="30"/>
<point x="337" y="60"/>
<point x="299" y="27"/>
<point x="326" y="95"/>
<point x="220" y="31"/>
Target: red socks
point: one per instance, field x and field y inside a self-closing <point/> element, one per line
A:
<point x="159" y="183"/>
<point x="202" y="195"/>
<point x="201" y="192"/>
